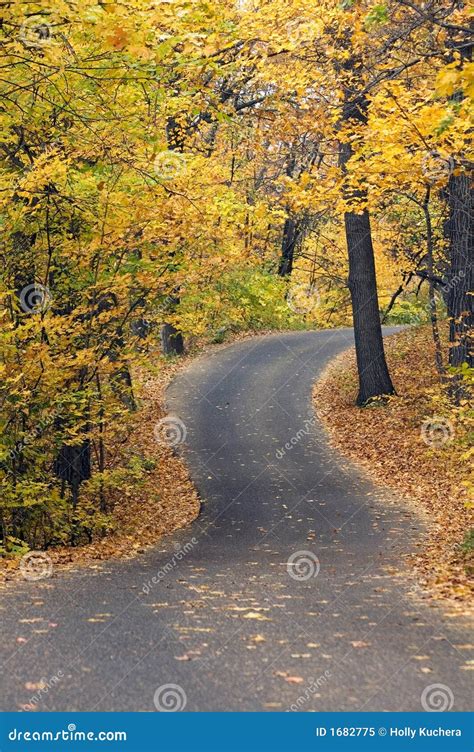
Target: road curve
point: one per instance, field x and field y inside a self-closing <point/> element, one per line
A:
<point x="289" y="591"/>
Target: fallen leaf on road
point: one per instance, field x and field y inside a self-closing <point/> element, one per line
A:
<point x="35" y="685"/>
<point x="255" y="615"/>
<point x="290" y="679"/>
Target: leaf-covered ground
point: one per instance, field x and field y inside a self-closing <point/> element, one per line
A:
<point x="387" y="440"/>
<point x="163" y="500"/>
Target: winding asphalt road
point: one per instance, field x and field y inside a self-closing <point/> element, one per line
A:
<point x="216" y="609"/>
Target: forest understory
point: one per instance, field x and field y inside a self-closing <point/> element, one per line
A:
<point x="160" y="499"/>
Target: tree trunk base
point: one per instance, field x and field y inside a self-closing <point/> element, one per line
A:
<point x="172" y="342"/>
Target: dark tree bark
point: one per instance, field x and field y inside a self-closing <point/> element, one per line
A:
<point x="121" y="379"/>
<point x="141" y="328"/>
<point x="290" y="231"/>
<point x="374" y="377"/>
<point x="460" y="301"/>
<point x="432" y="289"/>
<point x="288" y="245"/>
<point x="172" y="342"/>
<point x="73" y="465"/>
<point x="459" y="230"/>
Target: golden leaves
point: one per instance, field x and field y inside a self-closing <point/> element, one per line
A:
<point x="255" y="615"/>
<point x="118" y="38"/>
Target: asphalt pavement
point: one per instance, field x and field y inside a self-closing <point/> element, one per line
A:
<point x="290" y="591"/>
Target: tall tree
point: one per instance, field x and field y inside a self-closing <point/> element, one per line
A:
<point x="374" y="377"/>
<point x="460" y="298"/>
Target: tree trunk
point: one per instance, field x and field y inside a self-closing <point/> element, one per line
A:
<point x="460" y="301"/>
<point x="459" y="230"/>
<point x="432" y="290"/>
<point x="171" y="340"/>
<point x="73" y="463"/>
<point x="121" y="378"/>
<point x="122" y="385"/>
<point x="288" y="245"/>
<point x="374" y="377"/>
<point x="73" y="466"/>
